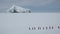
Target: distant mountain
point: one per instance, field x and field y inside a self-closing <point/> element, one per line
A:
<point x="17" y="9"/>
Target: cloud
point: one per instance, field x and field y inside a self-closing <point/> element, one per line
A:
<point x="30" y="2"/>
<point x="35" y="2"/>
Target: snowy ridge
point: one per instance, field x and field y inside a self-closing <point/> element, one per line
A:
<point x="17" y="9"/>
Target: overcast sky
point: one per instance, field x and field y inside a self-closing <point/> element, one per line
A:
<point x="34" y="5"/>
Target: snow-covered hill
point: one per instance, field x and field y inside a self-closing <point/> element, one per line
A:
<point x="17" y="9"/>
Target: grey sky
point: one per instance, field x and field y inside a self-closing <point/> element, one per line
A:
<point x="33" y="4"/>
